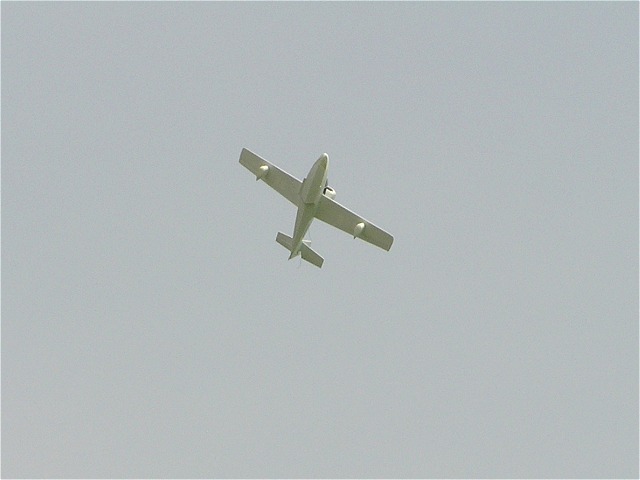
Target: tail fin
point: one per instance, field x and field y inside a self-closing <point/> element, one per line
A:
<point x="307" y="253"/>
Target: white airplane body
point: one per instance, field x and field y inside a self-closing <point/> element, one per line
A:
<point x="314" y="199"/>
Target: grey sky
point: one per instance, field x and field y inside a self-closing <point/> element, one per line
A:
<point x="152" y="326"/>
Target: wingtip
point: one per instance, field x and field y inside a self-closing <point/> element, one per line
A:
<point x="390" y="244"/>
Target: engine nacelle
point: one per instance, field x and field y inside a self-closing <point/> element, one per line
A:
<point x="329" y="192"/>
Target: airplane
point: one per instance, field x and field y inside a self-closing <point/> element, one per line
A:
<point x="314" y="198"/>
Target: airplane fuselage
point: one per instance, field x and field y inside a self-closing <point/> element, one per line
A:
<point x="310" y="194"/>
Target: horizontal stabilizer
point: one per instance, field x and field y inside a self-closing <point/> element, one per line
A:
<point x="284" y="240"/>
<point x="311" y="256"/>
<point x="305" y="250"/>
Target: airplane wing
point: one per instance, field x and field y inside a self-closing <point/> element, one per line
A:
<point x="331" y="212"/>
<point x="286" y="185"/>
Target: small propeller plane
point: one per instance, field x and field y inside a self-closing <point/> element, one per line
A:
<point x="314" y="198"/>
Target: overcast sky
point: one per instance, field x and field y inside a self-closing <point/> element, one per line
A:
<point x="152" y="326"/>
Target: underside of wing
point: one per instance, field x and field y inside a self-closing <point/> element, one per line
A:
<point x="287" y="185"/>
<point x="331" y="212"/>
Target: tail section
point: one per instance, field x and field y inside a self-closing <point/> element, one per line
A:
<point x="305" y="251"/>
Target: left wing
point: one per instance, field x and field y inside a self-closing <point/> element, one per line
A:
<point x="286" y="185"/>
<point x="331" y="212"/>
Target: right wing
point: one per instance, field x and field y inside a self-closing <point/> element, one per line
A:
<point x="286" y="185"/>
<point x="331" y="212"/>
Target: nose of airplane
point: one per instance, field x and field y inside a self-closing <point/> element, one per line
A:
<point x="324" y="159"/>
